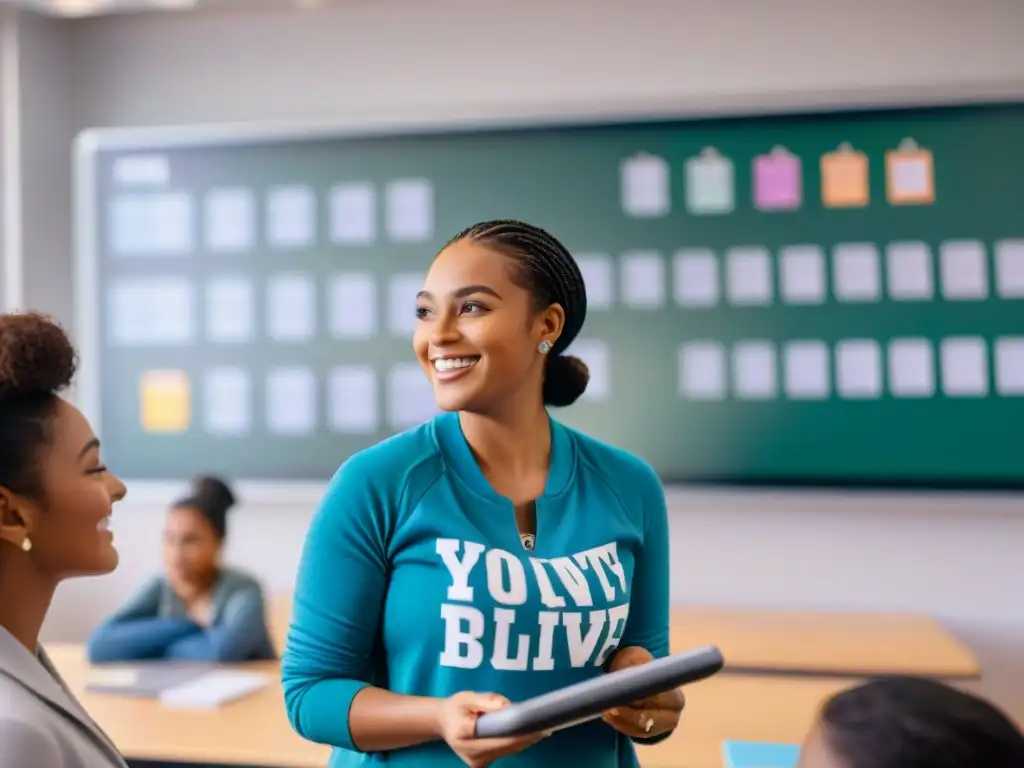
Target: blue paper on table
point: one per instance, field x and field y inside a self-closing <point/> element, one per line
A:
<point x="760" y="754"/>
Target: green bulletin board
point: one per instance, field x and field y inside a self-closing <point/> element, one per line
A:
<point x="813" y="299"/>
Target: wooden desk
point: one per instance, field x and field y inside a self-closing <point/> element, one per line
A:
<point x="251" y="731"/>
<point x="745" y="707"/>
<point x="823" y="643"/>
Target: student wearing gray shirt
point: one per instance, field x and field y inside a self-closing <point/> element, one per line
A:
<point x="56" y="498"/>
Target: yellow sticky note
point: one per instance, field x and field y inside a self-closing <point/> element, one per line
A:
<point x="844" y="178"/>
<point x="910" y="175"/>
<point x="165" y="401"/>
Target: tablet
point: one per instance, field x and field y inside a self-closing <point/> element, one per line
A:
<point x="587" y="700"/>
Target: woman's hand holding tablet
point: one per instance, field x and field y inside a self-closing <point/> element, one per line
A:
<point x="647" y="717"/>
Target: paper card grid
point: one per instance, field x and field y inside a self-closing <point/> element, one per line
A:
<point x="230" y="220"/>
<point x="643" y="279"/>
<point x="291" y="307"/>
<point x="856" y="273"/>
<point x="598" y="278"/>
<point x="353" y="214"/>
<point x="710" y="184"/>
<point x="230" y="311"/>
<point x="1009" y="365"/>
<point x="963" y="270"/>
<point x="749" y="276"/>
<point x="645" y="186"/>
<point x="911" y="368"/>
<point x="807" y="370"/>
<point x="596" y="355"/>
<point x="156" y="311"/>
<point x="964" y="363"/>
<point x="227" y="393"/>
<point x="858" y="369"/>
<point x="402" y="290"/>
<point x="291" y="217"/>
<point x="702" y="373"/>
<point x="1010" y="269"/>
<point x="696" y="278"/>
<point x="410" y="397"/>
<point x="153" y="224"/>
<point x="754" y="374"/>
<point x="802" y="274"/>
<point x="353" y="399"/>
<point x="410" y="210"/>
<point x="291" y="401"/>
<point x="353" y="305"/>
<point x="909" y="271"/>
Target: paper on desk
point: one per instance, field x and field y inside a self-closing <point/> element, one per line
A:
<point x="213" y="689"/>
<point x="113" y="677"/>
<point x="757" y="754"/>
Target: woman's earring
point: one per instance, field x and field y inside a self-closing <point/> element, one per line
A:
<point x="544" y="347"/>
<point x="26" y="544"/>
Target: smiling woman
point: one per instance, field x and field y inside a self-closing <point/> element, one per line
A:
<point x="55" y="500"/>
<point x="489" y="554"/>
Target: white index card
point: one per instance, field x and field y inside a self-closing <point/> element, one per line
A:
<point x="410" y="396"/>
<point x="228" y="402"/>
<point x="353" y="305"/>
<point x="291" y="307"/>
<point x="353" y="214"/>
<point x="291" y="217"/>
<point x="807" y="370"/>
<point x="644" y="186"/>
<point x="1009" y="364"/>
<point x="964" y="363"/>
<point x="594" y="353"/>
<point x="643" y="279"/>
<point x="909" y="271"/>
<point x="911" y="365"/>
<point x="802" y="274"/>
<point x="353" y="398"/>
<point x="410" y="210"/>
<point x="702" y="373"/>
<point x="963" y="269"/>
<point x="152" y="224"/>
<point x="598" y="278"/>
<point x="749" y="276"/>
<point x="402" y="291"/>
<point x="857" y="275"/>
<point x="696" y="280"/>
<point x="291" y="401"/>
<point x="230" y="220"/>
<point x="753" y="367"/>
<point x="230" y="311"/>
<point x="1010" y="269"/>
<point x="858" y="369"/>
<point x="153" y="311"/>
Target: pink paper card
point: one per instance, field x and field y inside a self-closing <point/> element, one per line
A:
<point x="777" y="181"/>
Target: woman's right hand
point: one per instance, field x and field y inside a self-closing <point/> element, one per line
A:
<point x="457" y="724"/>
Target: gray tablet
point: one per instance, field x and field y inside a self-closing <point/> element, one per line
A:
<point x="587" y="700"/>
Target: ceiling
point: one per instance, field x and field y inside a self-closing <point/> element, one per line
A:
<point x="80" y="8"/>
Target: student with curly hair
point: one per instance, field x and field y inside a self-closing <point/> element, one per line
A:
<point x="199" y="609"/>
<point x="56" y="498"/>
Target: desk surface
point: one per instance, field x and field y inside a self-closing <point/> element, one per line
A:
<point x="255" y="730"/>
<point x="251" y="731"/>
<point x="823" y="643"/>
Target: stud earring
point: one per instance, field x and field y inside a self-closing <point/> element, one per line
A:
<point x="26" y="544"/>
<point x="544" y="347"/>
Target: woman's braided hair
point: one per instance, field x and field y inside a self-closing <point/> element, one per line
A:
<point x="545" y="268"/>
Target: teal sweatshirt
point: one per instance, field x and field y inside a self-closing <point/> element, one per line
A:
<point x="413" y="578"/>
<point x="154" y="624"/>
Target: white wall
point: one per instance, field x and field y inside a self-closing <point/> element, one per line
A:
<point x="957" y="557"/>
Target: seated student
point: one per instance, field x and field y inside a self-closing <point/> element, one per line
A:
<point x="199" y="610"/>
<point x="902" y="722"/>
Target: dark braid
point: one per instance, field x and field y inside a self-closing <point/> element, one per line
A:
<point x="904" y="722"/>
<point x="545" y="268"/>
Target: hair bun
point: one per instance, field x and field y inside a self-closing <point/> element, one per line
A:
<point x="36" y="356"/>
<point x="213" y="494"/>
<point x="565" y="379"/>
